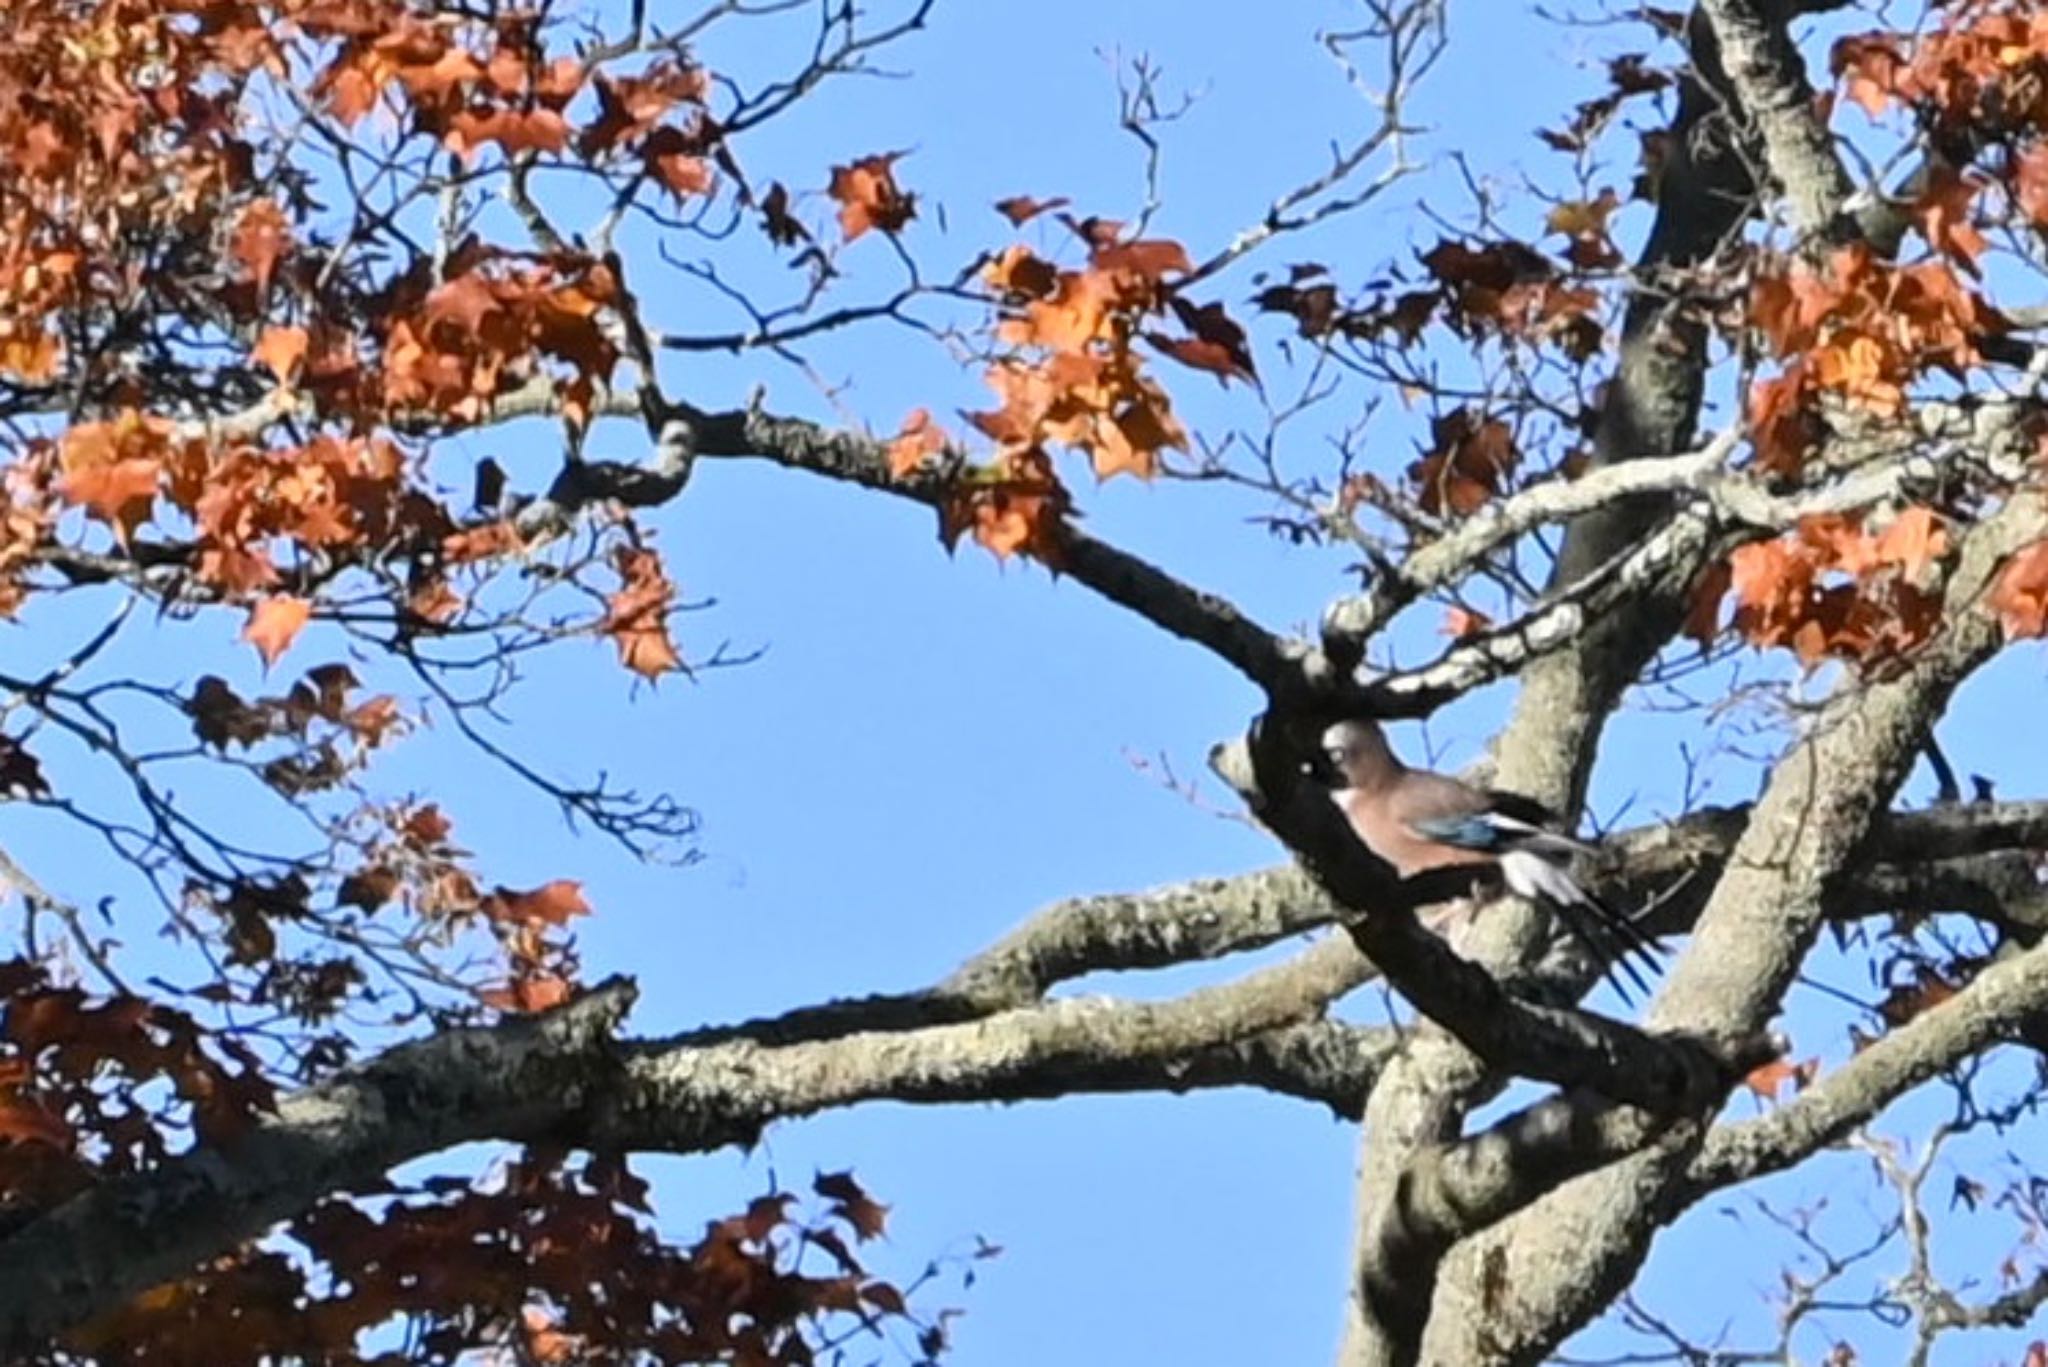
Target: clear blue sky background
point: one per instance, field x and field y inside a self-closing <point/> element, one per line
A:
<point x="932" y="748"/>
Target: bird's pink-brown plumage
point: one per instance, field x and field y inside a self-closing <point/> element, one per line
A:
<point x="1397" y="812"/>
<point x="1385" y="817"/>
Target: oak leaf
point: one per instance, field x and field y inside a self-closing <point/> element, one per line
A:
<point x="1767" y="1080"/>
<point x="527" y="994"/>
<point x="869" y="196"/>
<point x="549" y="904"/>
<point x="852" y="1204"/>
<point x="2020" y="594"/>
<point x="636" y="617"/>
<point x="1461" y="623"/>
<point x="261" y="235"/>
<point x="280" y="350"/>
<point x="121" y="494"/>
<point x="917" y="441"/>
<point x="1021" y="209"/>
<point x="274" y="623"/>
<point x="1469" y="463"/>
<point x="1148" y="258"/>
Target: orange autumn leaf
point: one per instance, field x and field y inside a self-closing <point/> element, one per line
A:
<point x="121" y="493"/>
<point x="681" y="174"/>
<point x="1021" y="209"/>
<point x="2020" y="594"/>
<point x="1869" y="66"/>
<point x="918" y="440"/>
<point x="1461" y="623"/>
<point x="1583" y="217"/>
<point x="1080" y="309"/>
<point x="1148" y="258"/>
<point x="1945" y="212"/>
<point x="1768" y="1080"/>
<point x="280" y="350"/>
<point x="1928" y="988"/>
<point x="636" y="617"/>
<point x="261" y="235"/>
<point x="852" y="1204"/>
<point x="483" y="542"/>
<point x="1132" y="440"/>
<point x="1022" y="272"/>
<point x="1703" y="612"/>
<point x="27" y="1123"/>
<point x="2030" y="184"/>
<point x="528" y="994"/>
<point x="274" y="623"/>
<point x="869" y="196"/>
<point x="1914" y="540"/>
<point x="1218" y="343"/>
<point x="426" y="827"/>
<point x="1469" y="463"/>
<point x="549" y="904"/>
<point x="515" y="131"/>
<point x="31" y="356"/>
<point x="435" y="602"/>
<point x="1013" y="509"/>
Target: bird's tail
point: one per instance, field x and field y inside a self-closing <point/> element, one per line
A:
<point x="1614" y="941"/>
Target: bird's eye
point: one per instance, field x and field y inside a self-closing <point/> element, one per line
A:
<point x="1336" y="754"/>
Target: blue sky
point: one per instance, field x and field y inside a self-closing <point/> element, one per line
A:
<point x="930" y="748"/>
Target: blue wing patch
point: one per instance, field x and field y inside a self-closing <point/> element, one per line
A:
<point x="1474" y="832"/>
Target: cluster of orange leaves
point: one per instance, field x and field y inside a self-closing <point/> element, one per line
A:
<point x="555" y="1262"/>
<point x="869" y="197"/>
<point x="504" y="91"/>
<point x="414" y="861"/>
<point x="451" y="348"/>
<point x="1491" y="289"/>
<point x="1070" y="374"/>
<point x="80" y="1082"/>
<point x="99" y="160"/>
<point x="1862" y="330"/>
<point x="309" y="739"/>
<point x="120" y="184"/>
<point x="1468" y="463"/>
<point x="1832" y="588"/>
<point x="1509" y="290"/>
<point x="1981" y="67"/>
<point x="317" y="731"/>
<point x="252" y="505"/>
<point x="1977" y="78"/>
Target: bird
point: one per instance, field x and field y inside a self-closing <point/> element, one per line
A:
<point x="1419" y="821"/>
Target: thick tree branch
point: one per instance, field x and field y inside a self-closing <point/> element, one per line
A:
<point x="516" y="1081"/>
<point x="1990" y="1010"/>
<point x="1814" y="822"/>
<point x="1201" y="919"/>
<point x="1769" y="80"/>
<point x="1125" y="579"/>
<point x="565" y="1078"/>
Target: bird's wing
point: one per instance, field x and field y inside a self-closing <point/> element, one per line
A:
<point x="1441" y="809"/>
<point x="1614" y="940"/>
<point x="1526" y="809"/>
<point x="1493" y="821"/>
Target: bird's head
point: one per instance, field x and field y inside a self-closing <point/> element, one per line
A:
<point x="1358" y="752"/>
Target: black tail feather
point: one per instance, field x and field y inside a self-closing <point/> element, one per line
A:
<point x="1615" y="943"/>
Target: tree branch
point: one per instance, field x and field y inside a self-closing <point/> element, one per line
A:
<point x="1769" y="79"/>
<point x="1817" y="816"/>
<point x="1984" y="1013"/>
<point x="564" y="1078"/>
<point x="1565" y="1047"/>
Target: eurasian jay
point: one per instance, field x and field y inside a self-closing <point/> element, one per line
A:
<point x="1419" y="821"/>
